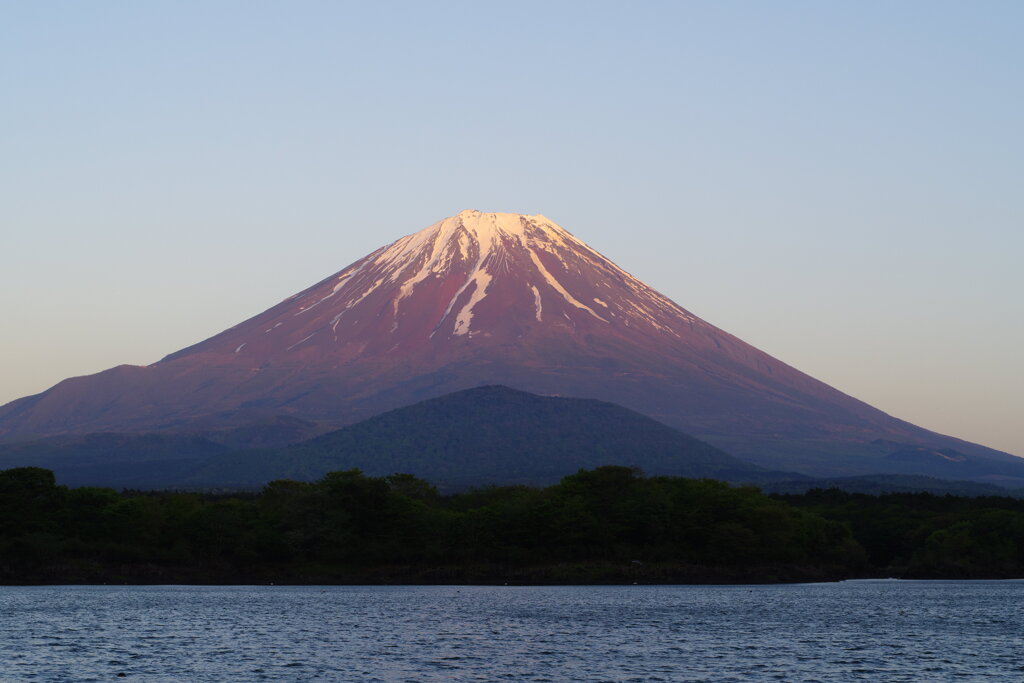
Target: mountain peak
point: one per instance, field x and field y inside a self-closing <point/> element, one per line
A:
<point x="485" y="225"/>
<point x="487" y="230"/>
<point x="509" y="222"/>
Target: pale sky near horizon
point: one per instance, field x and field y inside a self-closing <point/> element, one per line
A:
<point x="838" y="184"/>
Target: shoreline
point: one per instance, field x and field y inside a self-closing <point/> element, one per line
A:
<point x="547" y="575"/>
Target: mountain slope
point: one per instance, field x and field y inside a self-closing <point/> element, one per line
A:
<point x="488" y="435"/>
<point x="117" y="460"/>
<point x="880" y="484"/>
<point x="475" y="299"/>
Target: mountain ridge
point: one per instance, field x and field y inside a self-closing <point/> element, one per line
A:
<point x="475" y="299"/>
<point x="490" y="435"/>
<point x="477" y="437"/>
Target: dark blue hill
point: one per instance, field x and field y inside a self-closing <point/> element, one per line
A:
<point x="487" y="435"/>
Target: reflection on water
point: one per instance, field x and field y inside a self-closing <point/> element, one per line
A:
<point x="859" y="630"/>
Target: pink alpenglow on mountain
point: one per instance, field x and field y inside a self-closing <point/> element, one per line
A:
<point x="475" y="299"/>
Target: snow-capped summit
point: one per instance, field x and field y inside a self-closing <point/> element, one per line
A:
<point x="476" y="298"/>
<point x="503" y="277"/>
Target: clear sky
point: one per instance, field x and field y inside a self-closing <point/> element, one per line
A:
<point x="839" y="184"/>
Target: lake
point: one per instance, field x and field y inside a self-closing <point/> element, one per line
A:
<point x="849" y="631"/>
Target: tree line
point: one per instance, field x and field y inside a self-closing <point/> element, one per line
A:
<point x="607" y="525"/>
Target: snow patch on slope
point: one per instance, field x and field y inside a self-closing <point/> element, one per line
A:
<point x="343" y="279"/>
<point x="432" y="265"/>
<point x="300" y="342"/>
<point x="484" y="252"/>
<point x="482" y="279"/>
<point x="557" y="286"/>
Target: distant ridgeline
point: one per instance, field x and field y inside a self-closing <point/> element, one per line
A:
<point x="608" y="525"/>
<point x="477" y="437"/>
<point x="481" y="436"/>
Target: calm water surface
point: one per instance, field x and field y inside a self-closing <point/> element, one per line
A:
<point x="851" y="631"/>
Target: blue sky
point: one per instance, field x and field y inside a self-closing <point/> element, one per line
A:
<point x="838" y="184"/>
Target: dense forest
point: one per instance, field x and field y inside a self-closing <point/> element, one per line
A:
<point x="604" y="525"/>
<point x="925" y="536"/>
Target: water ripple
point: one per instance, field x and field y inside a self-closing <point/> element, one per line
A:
<point x="815" y="633"/>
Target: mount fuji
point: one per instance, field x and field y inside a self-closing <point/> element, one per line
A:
<point x="485" y="299"/>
